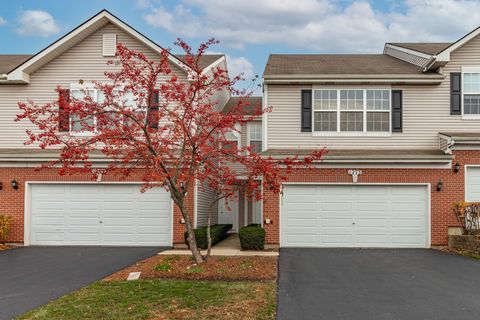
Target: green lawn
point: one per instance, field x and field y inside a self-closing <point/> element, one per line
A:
<point x="164" y="299"/>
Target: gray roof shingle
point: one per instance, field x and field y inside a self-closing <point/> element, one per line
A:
<point x="254" y="104"/>
<point x="10" y="61"/>
<point x="341" y="64"/>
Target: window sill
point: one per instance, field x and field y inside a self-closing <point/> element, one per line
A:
<point x="471" y="117"/>
<point x="81" y="134"/>
<point x="353" y="134"/>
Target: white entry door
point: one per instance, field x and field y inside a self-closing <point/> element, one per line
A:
<point x="472" y="184"/>
<point x="354" y="216"/>
<point x="99" y="214"/>
<point x="228" y="212"/>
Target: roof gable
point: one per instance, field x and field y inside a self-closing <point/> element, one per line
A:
<point x="21" y="72"/>
<point x="444" y="55"/>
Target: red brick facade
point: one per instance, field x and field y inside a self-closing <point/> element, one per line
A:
<point x="12" y="202"/>
<point x="442" y="216"/>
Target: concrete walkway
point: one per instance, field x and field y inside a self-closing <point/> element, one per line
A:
<point x="228" y="247"/>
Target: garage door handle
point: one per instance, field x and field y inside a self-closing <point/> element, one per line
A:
<point x="353" y="222"/>
<point x="101" y="221"/>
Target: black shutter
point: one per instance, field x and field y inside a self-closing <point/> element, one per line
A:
<point x="306" y="112"/>
<point x="455" y="93"/>
<point x="397" y="120"/>
<point x="63" y="115"/>
<point x="153" y="112"/>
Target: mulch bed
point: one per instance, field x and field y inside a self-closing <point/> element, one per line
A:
<point x="5" y="247"/>
<point x="216" y="268"/>
<point x="460" y="252"/>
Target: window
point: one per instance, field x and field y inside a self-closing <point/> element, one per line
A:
<point x="255" y="136"/>
<point x="233" y="140"/>
<point x="352" y="110"/>
<point x="471" y="93"/>
<point x="378" y="110"/>
<point x="84" y="126"/>
<point x="325" y="110"/>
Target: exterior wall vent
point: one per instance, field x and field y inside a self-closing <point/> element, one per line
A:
<point x="109" y="44"/>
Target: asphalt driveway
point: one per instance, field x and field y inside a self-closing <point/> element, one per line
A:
<point x="32" y="276"/>
<point x="377" y="284"/>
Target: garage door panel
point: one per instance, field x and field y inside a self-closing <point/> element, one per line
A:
<point x="302" y="239"/>
<point x="77" y="221"/>
<point x="355" y="216"/>
<point x="50" y="236"/>
<point x="408" y="222"/>
<point x="371" y="206"/>
<point x="336" y="222"/>
<point x="335" y="206"/>
<point x="86" y="236"/>
<point x="106" y="214"/>
<point x="112" y="205"/>
<point x="50" y="220"/>
<point x="298" y="222"/>
<point x="154" y="221"/>
<point x="346" y="191"/>
<point x="366" y="223"/>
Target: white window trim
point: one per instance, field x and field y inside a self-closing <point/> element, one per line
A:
<point x="249" y="124"/>
<point x="474" y="69"/>
<point x="339" y="133"/>
<point x="79" y="87"/>
<point x="237" y="134"/>
<point x="87" y="86"/>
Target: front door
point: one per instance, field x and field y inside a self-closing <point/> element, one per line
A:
<point x="228" y="212"/>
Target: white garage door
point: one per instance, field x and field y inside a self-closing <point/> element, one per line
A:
<point x="472" y="188"/>
<point x="99" y="214"/>
<point x="354" y="216"/>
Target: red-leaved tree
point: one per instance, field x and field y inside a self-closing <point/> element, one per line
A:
<point x="147" y="121"/>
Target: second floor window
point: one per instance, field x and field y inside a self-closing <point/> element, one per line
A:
<point x="255" y="136"/>
<point x="471" y="94"/>
<point x="352" y="110"/>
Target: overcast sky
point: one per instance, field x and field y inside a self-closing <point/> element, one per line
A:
<point x="248" y="29"/>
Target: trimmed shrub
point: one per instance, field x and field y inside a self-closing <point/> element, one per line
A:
<point x="252" y="237"/>
<point x="4" y="227"/>
<point x="218" y="232"/>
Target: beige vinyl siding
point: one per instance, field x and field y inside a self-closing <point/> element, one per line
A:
<point x="426" y="112"/>
<point x="83" y="61"/>
<point x="205" y="197"/>
<point x="402" y="55"/>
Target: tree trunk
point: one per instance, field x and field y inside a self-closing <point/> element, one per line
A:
<point x="192" y="242"/>
<point x="209" y="236"/>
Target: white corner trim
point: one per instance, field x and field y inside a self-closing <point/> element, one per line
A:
<point x="265" y="117"/>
